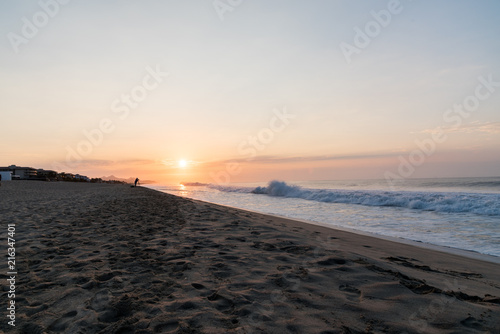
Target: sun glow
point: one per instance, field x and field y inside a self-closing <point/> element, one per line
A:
<point x="182" y="163"/>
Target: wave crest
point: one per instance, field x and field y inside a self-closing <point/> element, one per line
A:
<point x="477" y="203"/>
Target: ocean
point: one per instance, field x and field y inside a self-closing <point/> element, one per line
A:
<point x="462" y="213"/>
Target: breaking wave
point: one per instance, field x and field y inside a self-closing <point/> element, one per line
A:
<point x="447" y="202"/>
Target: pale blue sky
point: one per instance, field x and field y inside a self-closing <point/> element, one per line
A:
<point x="226" y="76"/>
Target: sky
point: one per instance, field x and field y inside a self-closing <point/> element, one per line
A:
<point x="251" y="90"/>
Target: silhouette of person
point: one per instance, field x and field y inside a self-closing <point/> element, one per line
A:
<point x="136" y="181"/>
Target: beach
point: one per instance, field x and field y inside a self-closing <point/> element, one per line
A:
<point x="101" y="258"/>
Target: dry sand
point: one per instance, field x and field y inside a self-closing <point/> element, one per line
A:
<point x="98" y="258"/>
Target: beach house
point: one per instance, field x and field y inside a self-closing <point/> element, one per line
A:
<point x="22" y="173"/>
<point x="45" y="174"/>
<point x="14" y="172"/>
<point x="5" y="176"/>
<point x="83" y="178"/>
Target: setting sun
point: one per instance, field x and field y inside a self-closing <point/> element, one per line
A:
<point x="182" y="163"/>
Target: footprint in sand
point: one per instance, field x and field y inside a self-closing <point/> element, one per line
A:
<point x="34" y="310"/>
<point x="30" y="328"/>
<point x="331" y="261"/>
<point x="101" y="300"/>
<point x="221" y="303"/>
<point x="473" y="323"/>
<point x="353" y="293"/>
<point x="167" y="327"/>
<point x="60" y="324"/>
<point x="198" y="286"/>
<point x="105" y="277"/>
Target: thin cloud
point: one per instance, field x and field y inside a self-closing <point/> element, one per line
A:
<point x="473" y="127"/>
<point x="102" y="163"/>
<point x="272" y="159"/>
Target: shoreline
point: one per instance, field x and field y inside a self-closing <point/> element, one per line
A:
<point x="355" y="234"/>
<point x="105" y="258"/>
<point x="445" y="249"/>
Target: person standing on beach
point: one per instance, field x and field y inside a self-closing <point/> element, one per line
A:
<point x="136" y="181"/>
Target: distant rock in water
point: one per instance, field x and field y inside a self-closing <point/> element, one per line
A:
<point x="194" y="184"/>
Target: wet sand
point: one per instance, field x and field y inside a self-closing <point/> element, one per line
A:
<point x="99" y="258"/>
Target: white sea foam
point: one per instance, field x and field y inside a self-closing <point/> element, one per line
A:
<point x="447" y="202"/>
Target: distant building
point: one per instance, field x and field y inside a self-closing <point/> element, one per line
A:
<point x="72" y="177"/>
<point x="5" y="176"/>
<point x="46" y="174"/>
<point x="65" y="176"/>
<point x="23" y="173"/>
<point x="14" y="172"/>
<point x="79" y="177"/>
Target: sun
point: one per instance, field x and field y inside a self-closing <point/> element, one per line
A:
<point x="182" y="163"/>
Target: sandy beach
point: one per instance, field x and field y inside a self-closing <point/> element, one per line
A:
<point x="100" y="258"/>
